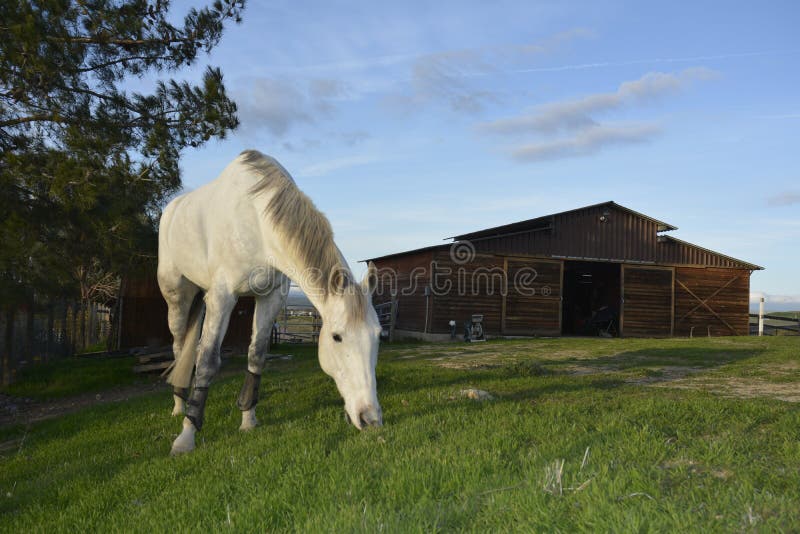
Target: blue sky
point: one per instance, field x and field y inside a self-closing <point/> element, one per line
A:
<point x="408" y="122"/>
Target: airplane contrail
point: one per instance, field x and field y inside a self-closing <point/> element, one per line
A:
<point x="688" y="59"/>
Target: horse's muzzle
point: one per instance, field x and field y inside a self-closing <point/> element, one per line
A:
<point x="367" y="417"/>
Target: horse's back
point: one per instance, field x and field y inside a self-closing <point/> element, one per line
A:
<point x="214" y="227"/>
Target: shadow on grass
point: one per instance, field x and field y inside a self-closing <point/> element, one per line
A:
<point x="700" y="357"/>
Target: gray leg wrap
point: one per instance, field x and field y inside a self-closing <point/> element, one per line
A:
<point x="196" y="406"/>
<point x="182" y="393"/>
<point x="248" y="396"/>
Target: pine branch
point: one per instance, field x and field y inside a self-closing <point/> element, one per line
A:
<point x="120" y="60"/>
<point x="32" y="118"/>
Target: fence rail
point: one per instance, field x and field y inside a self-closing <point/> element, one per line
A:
<point x="387" y="315"/>
<point x="787" y="326"/>
<point x="297" y="324"/>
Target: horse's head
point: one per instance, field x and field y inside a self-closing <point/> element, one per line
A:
<point x="348" y="348"/>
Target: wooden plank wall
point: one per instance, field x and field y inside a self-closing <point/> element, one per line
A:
<point x="647" y="301"/>
<point x="533" y="302"/>
<point x="405" y="278"/>
<point x="144" y="318"/>
<point x="712" y="297"/>
<point x="144" y="322"/>
<point x="473" y="287"/>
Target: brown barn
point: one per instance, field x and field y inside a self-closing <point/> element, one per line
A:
<point x="601" y="267"/>
<point x="143" y="317"/>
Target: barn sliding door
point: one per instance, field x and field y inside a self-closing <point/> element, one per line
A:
<point x="647" y="301"/>
<point x="532" y="305"/>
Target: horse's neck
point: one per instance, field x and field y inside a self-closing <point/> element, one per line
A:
<point x="281" y="251"/>
<point x="309" y="278"/>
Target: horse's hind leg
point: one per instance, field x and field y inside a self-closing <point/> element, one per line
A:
<point x="219" y="304"/>
<point x="179" y="294"/>
<point x="267" y="308"/>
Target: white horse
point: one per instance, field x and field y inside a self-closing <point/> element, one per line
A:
<point x="244" y="234"/>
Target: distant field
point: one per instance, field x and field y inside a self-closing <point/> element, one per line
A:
<point x="789" y="315"/>
<point x="590" y="435"/>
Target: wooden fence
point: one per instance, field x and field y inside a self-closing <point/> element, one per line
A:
<point x="42" y="331"/>
<point x="775" y="325"/>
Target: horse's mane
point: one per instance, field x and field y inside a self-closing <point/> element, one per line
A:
<point x="309" y="233"/>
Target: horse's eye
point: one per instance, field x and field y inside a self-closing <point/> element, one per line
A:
<point x="337" y="338"/>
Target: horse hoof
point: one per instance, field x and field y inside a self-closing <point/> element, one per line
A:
<point x="182" y="444"/>
<point x="249" y="421"/>
<point x="248" y="425"/>
<point x="181" y="448"/>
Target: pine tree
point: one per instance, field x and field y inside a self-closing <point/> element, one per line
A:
<point x="85" y="164"/>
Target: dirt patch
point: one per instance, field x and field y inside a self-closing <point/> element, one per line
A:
<point x="696" y="467"/>
<point x="666" y="374"/>
<point x="742" y="388"/>
<point x="14" y="410"/>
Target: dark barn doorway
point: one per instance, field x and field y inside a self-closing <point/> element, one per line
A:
<point x="591" y="299"/>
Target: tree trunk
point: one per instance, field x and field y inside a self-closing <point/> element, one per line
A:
<point x="81" y="327"/>
<point x="64" y="347"/>
<point x="51" y="320"/>
<point x="8" y="347"/>
<point x="30" y="331"/>
<point x="75" y="324"/>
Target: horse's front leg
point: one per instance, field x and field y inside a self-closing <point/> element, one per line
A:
<point x="219" y="304"/>
<point x="267" y="308"/>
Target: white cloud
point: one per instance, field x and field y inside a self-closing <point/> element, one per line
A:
<point x="454" y="77"/>
<point x="278" y="105"/>
<point x="325" y="167"/>
<point x="786" y="198"/>
<point x="586" y="142"/>
<point x="773" y="302"/>
<point x="571" y="128"/>
<point x="576" y="114"/>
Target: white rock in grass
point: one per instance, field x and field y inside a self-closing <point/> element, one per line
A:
<point x="476" y="394"/>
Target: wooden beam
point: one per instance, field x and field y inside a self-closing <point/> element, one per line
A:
<point x="705" y="305"/>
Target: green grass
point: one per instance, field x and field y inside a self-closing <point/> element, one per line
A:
<point x="667" y="450"/>
<point x="71" y="376"/>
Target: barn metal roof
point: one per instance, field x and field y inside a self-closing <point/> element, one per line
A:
<point x="543" y="221"/>
<point x="575" y="234"/>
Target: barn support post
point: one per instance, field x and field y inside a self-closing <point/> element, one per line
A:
<point x="761" y="317"/>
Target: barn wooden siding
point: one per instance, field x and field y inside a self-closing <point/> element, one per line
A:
<point x="144" y="314"/>
<point x="144" y="317"/>
<point x="533" y="301"/>
<point x="647" y="301"/>
<point x="404" y="278"/>
<point x="712" y="298"/>
<point x="516" y="296"/>
<point x="466" y="289"/>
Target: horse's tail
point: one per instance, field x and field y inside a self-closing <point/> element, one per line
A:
<point x="181" y="375"/>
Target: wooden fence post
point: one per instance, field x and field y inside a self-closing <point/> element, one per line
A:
<point x="761" y="317"/>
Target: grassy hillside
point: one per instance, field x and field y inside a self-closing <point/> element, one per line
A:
<point x="582" y="435"/>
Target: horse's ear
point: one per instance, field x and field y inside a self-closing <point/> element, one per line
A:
<point x="338" y="281"/>
<point x="370" y="281"/>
